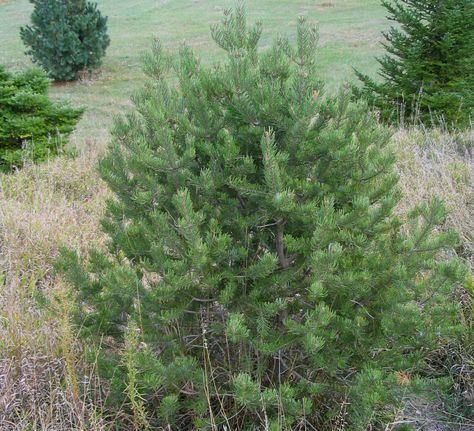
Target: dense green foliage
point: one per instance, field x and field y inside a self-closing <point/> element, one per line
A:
<point x="66" y="37"/>
<point x="428" y="73"/>
<point x="257" y="275"/>
<point x="30" y="124"/>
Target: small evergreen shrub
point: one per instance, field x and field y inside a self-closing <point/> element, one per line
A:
<point x="29" y="120"/>
<point x="428" y="73"/>
<point x="66" y="37"/>
<point x="257" y="276"/>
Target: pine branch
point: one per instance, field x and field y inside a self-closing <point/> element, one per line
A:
<point x="284" y="261"/>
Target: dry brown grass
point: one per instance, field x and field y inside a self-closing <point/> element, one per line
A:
<point x="45" y="206"/>
<point x="43" y="385"/>
<point x="436" y="163"/>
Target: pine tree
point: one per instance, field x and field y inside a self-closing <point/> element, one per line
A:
<point x="29" y="119"/>
<point x="254" y="246"/>
<point x="428" y="73"/>
<point x="66" y="37"/>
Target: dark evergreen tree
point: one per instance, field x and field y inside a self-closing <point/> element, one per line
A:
<point x="66" y="37"/>
<point x="428" y="73"/>
<point x="28" y="119"/>
<point x="254" y="252"/>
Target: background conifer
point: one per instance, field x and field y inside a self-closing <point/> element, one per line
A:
<point x="66" y="37"/>
<point x="31" y="124"/>
<point x="428" y="71"/>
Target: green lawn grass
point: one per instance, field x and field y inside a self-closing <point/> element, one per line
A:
<point x="350" y="32"/>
